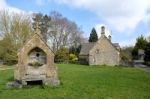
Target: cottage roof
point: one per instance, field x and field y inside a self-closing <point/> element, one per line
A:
<point x="86" y="47"/>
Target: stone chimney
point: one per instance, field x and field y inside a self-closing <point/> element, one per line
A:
<point x="102" y="31"/>
<point x="109" y="37"/>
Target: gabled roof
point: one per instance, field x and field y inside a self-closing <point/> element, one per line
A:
<point x="115" y="45"/>
<point x="86" y="47"/>
<point x="40" y="37"/>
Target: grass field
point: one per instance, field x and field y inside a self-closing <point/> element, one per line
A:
<point x="85" y="82"/>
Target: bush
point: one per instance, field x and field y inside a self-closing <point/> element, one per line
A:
<point x="62" y="55"/>
<point x="73" y="57"/>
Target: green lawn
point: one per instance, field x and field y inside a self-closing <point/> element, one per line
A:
<point x="85" y="82"/>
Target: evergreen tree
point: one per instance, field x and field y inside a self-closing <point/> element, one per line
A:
<point x="93" y="36"/>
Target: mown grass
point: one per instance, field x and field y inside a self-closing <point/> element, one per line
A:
<point x="85" y="82"/>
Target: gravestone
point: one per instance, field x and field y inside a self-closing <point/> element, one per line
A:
<point x="140" y="60"/>
<point x="36" y="62"/>
<point x="141" y="54"/>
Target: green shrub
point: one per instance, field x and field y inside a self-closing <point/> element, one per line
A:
<point x="62" y="55"/>
<point x="73" y="57"/>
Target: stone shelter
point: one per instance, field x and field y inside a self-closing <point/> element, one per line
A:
<point x="102" y="52"/>
<point x="36" y="62"/>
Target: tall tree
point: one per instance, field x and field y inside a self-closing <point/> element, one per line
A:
<point x="93" y="36"/>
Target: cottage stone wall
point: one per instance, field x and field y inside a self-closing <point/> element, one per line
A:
<point x="104" y="52"/>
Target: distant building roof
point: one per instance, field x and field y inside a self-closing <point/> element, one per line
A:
<point x="117" y="45"/>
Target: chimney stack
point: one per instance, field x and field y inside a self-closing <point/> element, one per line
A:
<point x="102" y="31"/>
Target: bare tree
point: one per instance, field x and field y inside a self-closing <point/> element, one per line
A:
<point x="63" y="32"/>
<point x="15" y="30"/>
<point x="5" y="22"/>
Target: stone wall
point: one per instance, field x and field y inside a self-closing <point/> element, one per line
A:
<point x="22" y="69"/>
<point x="104" y="52"/>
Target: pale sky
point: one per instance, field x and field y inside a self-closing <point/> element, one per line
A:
<point x="125" y="20"/>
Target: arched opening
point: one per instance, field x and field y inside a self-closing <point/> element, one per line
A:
<point x="36" y="57"/>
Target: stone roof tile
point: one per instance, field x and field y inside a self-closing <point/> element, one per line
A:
<point x="86" y="47"/>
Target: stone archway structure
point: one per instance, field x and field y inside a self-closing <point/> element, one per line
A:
<point x="36" y="62"/>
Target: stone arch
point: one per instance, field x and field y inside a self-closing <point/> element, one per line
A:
<point x="37" y="56"/>
<point x="46" y="72"/>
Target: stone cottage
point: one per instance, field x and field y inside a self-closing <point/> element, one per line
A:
<point x="36" y="62"/>
<point x="102" y="52"/>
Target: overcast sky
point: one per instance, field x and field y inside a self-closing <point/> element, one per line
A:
<point x="125" y="20"/>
